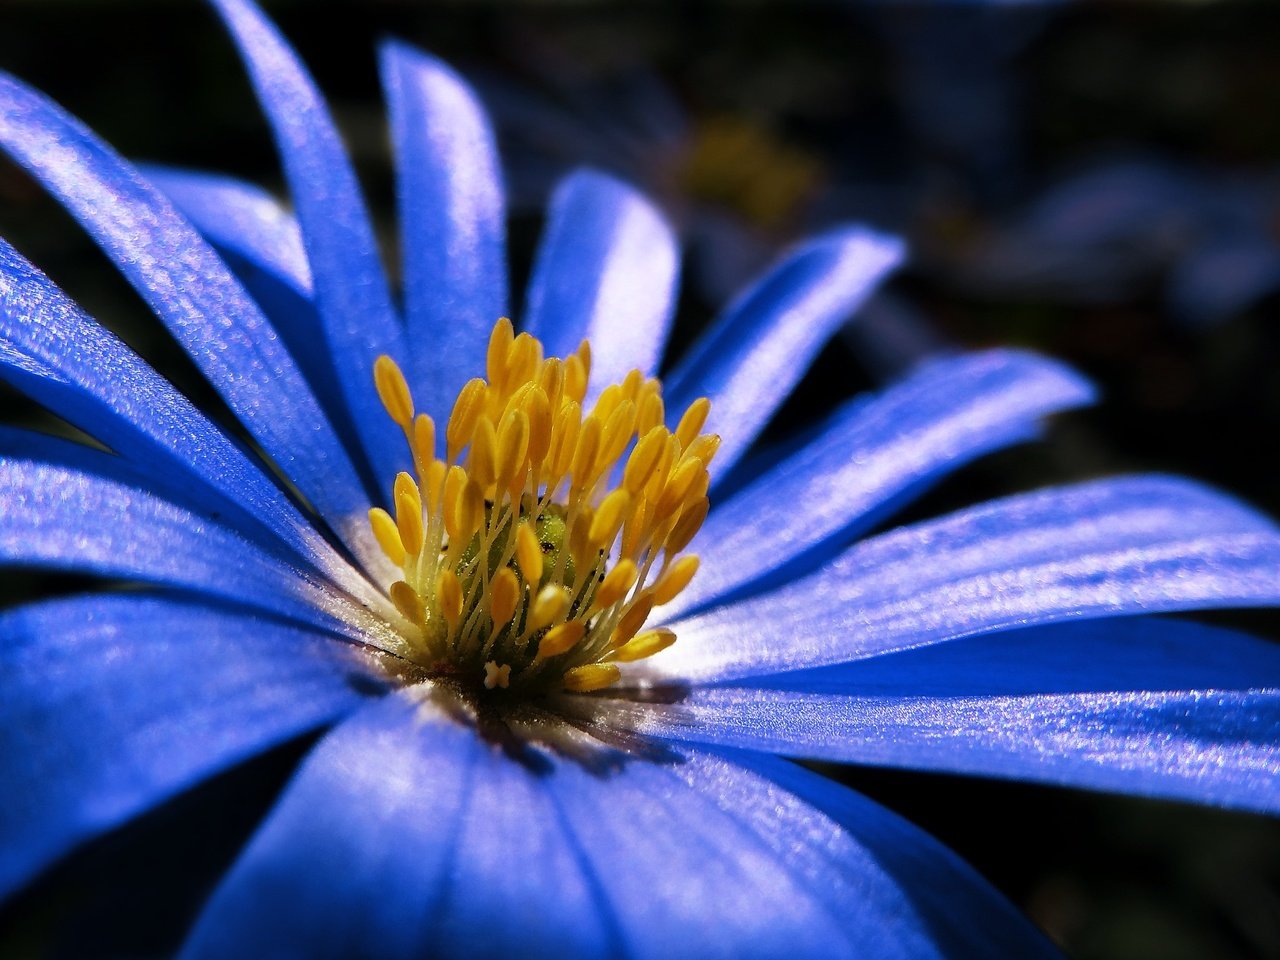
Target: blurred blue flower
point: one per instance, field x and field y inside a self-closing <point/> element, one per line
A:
<point x="1207" y="240"/>
<point x="653" y="818"/>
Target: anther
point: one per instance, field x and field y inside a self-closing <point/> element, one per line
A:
<point x="393" y="391"/>
<point x="644" y="645"/>
<point x="692" y="422"/>
<point x="615" y="585"/>
<point x="591" y="676"/>
<point x="449" y="596"/>
<point x="687" y="526"/>
<point x="503" y="596"/>
<point x="548" y="606"/>
<point x="409" y="522"/>
<point x="462" y="421"/>
<point x="561" y="638"/>
<point x="387" y="535"/>
<point x="632" y="620"/>
<point x="408" y="602"/>
<point x="674" y="580"/>
<point x="529" y="554"/>
<point x="608" y="519"/>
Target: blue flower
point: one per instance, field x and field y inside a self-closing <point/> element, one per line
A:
<point x="441" y="814"/>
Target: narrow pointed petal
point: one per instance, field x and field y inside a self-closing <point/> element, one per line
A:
<point x="868" y="459"/>
<point x="896" y="891"/>
<point x="192" y="292"/>
<point x="757" y="351"/>
<point x="102" y="523"/>
<point x="351" y="293"/>
<point x="452" y="221"/>
<point x="239" y="218"/>
<point x="76" y="369"/>
<point x="114" y="703"/>
<point x="262" y="244"/>
<point x="687" y="877"/>
<point x="954" y="911"/>
<point x="1153" y="707"/>
<point x="607" y="270"/>
<point x="406" y="833"/>
<point x="1124" y="546"/>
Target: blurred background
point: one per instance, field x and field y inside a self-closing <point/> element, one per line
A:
<point x="1097" y="181"/>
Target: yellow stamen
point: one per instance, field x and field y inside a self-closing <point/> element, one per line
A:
<point x="651" y="412"/>
<point x="549" y="606"/>
<point x="704" y="448"/>
<point x="692" y="422"/>
<point x="408" y="602"/>
<point x="462" y="421"/>
<point x="409" y="521"/>
<point x="424" y="442"/>
<point x="499" y="343"/>
<point x="615" y="585"/>
<point x="687" y="526"/>
<point x="504" y="595"/>
<point x="608" y="519"/>
<point x="674" y="580"/>
<point x="449" y="596"/>
<point x="529" y="554"/>
<point x="644" y="645"/>
<point x="575" y="378"/>
<point x="513" y="573"/>
<point x="513" y="445"/>
<point x="562" y="638"/>
<point x="591" y="676"/>
<point x="482" y="461"/>
<point x="388" y="537"/>
<point x="582" y="470"/>
<point x="393" y="391"/>
<point x="632" y="620"/>
<point x="644" y="459"/>
<point x="677" y="486"/>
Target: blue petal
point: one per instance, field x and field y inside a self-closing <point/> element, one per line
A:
<point x="192" y="291"/>
<point x="1089" y="656"/>
<point x="155" y="478"/>
<point x="60" y="516"/>
<point x="261" y="243"/>
<point x="758" y="350"/>
<point x="351" y="292"/>
<point x="1123" y="546"/>
<point x="1223" y="277"/>
<point x="114" y="703"/>
<point x="452" y="222"/>
<point x="898" y="892"/>
<point x="607" y="270"/>
<point x="963" y="915"/>
<point x="406" y="834"/>
<point x="1153" y="707"/>
<point x="72" y="366"/>
<point x="240" y="218"/>
<point x="868" y="459"/>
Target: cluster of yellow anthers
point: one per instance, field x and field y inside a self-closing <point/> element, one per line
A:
<point x="530" y="559"/>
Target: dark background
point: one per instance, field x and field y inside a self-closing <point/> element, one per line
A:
<point x="942" y="122"/>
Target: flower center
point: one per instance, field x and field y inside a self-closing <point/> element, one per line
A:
<point x="533" y="552"/>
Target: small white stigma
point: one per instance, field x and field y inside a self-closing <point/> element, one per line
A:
<point x="496" y="675"/>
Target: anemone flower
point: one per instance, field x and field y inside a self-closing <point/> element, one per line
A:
<point x="527" y="751"/>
